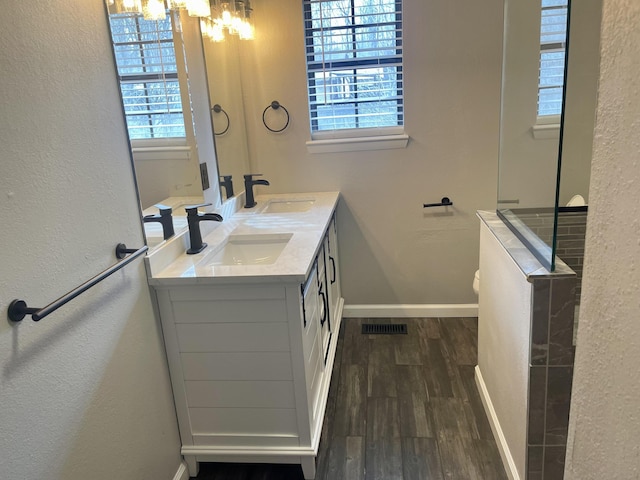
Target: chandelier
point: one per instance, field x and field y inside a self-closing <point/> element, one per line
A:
<point x="232" y="17"/>
<point x="217" y="17"/>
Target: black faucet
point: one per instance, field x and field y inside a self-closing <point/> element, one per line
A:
<point x="249" y="182"/>
<point x="193" y="220"/>
<point x="163" y="218"/>
<point x="227" y="184"/>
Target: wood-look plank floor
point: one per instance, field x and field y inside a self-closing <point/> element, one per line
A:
<point x="401" y="407"/>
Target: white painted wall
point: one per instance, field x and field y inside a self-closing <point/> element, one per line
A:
<point x="162" y="178"/>
<point x="394" y="251"/>
<point x="503" y="340"/>
<point x="225" y="89"/>
<point x="85" y="393"/>
<point x="604" y="429"/>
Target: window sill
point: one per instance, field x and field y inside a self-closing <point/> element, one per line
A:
<point x="546" y="127"/>
<point x="160" y="149"/>
<point x="338" y="145"/>
<point x="546" y="131"/>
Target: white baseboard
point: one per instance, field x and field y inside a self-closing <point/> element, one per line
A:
<point x="182" y="473"/>
<point x="503" y="447"/>
<point x="411" y="311"/>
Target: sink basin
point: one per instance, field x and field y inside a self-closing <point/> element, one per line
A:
<point x="288" y="206"/>
<point x="260" y="249"/>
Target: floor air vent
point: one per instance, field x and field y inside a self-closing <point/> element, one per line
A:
<point x="384" y="329"/>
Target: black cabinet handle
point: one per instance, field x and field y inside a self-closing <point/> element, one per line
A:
<point x="304" y="310"/>
<point x="324" y="306"/>
<point x="333" y="269"/>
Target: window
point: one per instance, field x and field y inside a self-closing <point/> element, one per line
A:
<point x="148" y="75"/>
<point x="354" y="64"/>
<point x="553" y="35"/>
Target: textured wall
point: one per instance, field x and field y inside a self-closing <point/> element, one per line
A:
<point x="394" y="251"/>
<point x="604" y="430"/>
<point x="85" y="392"/>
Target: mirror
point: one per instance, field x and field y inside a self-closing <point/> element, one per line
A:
<point x="529" y="141"/>
<point x="225" y="81"/>
<point x="580" y="109"/>
<point x="537" y="173"/>
<point x="163" y="81"/>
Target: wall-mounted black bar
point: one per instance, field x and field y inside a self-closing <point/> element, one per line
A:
<point x="445" y="202"/>
<point x="122" y="251"/>
<point x="18" y="309"/>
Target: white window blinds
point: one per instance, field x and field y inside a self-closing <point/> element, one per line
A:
<point x="553" y="35"/>
<point x="147" y="70"/>
<point x="354" y="63"/>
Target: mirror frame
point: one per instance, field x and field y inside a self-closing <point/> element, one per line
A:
<point x="202" y="127"/>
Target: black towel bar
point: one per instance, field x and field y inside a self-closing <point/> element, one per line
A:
<point x="18" y="309"/>
<point x="445" y="202"/>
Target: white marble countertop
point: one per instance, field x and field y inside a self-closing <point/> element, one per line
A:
<point x="171" y="266"/>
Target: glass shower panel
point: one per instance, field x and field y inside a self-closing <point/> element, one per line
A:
<point x="531" y="121"/>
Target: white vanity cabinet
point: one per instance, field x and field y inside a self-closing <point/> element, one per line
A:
<point x="250" y="363"/>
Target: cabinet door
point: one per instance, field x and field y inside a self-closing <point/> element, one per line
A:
<point x="312" y="341"/>
<point x="323" y="301"/>
<point x="333" y="271"/>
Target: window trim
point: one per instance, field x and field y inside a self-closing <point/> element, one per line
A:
<point x="357" y="144"/>
<point x="546" y="127"/>
<point x="354" y="133"/>
<point x="366" y="138"/>
<point x="162" y="148"/>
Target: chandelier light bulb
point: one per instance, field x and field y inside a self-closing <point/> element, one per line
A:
<point x="217" y="33"/>
<point x="154" y="10"/>
<point x="246" y="31"/>
<point x="198" y="8"/>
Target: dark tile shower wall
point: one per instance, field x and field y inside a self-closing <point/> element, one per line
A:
<point x="572" y="228"/>
<point x="550" y="376"/>
<point x="552" y="349"/>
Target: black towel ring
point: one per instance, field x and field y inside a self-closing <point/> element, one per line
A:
<point x="275" y="105"/>
<point x="218" y="109"/>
